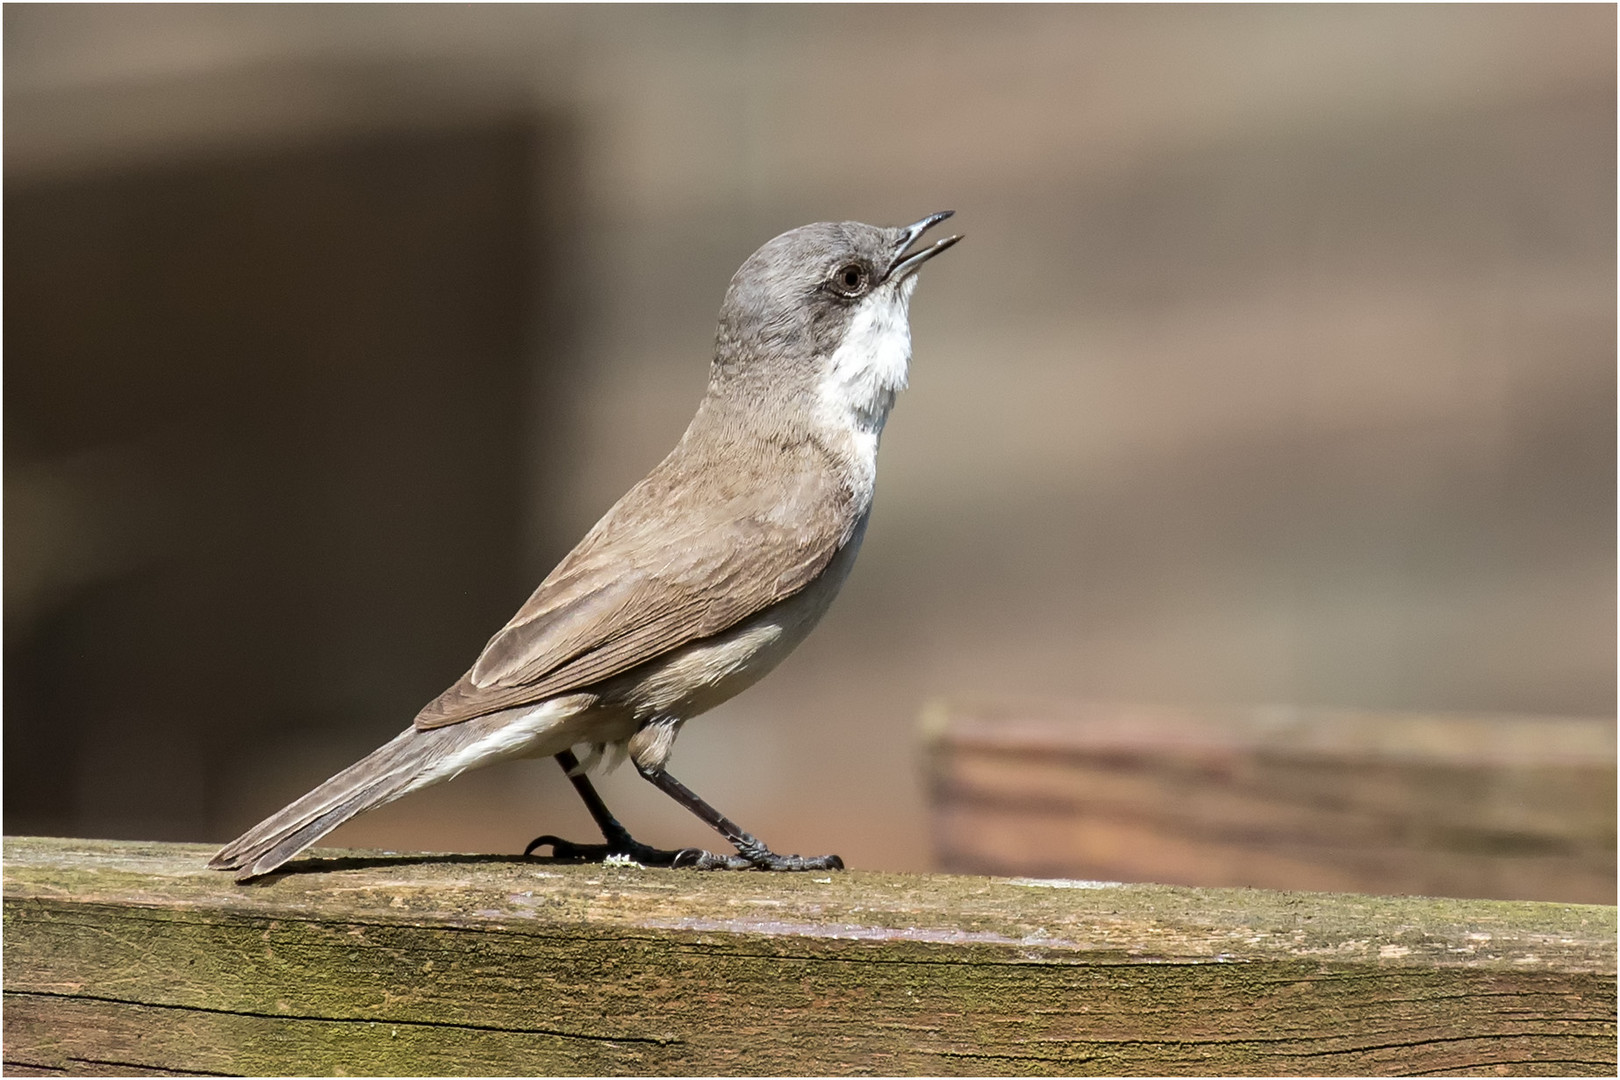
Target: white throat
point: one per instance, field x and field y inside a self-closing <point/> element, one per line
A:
<point x="860" y="379"/>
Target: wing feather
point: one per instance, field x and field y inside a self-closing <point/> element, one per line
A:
<point x="673" y="562"/>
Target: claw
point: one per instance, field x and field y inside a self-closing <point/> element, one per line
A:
<point x="697" y="859"/>
<point x="558" y="845"/>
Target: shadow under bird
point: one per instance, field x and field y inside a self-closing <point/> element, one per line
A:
<point x="700" y="579"/>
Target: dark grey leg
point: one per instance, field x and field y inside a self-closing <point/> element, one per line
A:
<point x="619" y="840"/>
<point x="752" y="854"/>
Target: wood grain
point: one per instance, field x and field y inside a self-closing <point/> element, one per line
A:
<point x="130" y="957"/>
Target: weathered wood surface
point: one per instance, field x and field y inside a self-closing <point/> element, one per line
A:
<point x="1511" y="808"/>
<point x="127" y="957"/>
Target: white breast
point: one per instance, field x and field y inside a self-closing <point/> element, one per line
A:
<point x="860" y="379"/>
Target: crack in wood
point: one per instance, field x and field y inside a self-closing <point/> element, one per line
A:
<point x="458" y="1026"/>
<point x="175" y="1069"/>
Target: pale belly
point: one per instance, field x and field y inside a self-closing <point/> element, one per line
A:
<point x="659" y="695"/>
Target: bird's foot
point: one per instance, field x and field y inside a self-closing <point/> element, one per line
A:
<point x="773" y="861"/>
<point x="694" y="859"/>
<point x="617" y="850"/>
<point x="628" y="849"/>
<point x="753" y="855"/>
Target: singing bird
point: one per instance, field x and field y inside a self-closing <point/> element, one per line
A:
<point x="700" y="579"/>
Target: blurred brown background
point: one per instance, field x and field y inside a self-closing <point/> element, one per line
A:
<point x="1278" y="367"/>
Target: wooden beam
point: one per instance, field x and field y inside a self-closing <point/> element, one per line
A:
<point x="1503" y="807"/>
<point x="130" y="956"/>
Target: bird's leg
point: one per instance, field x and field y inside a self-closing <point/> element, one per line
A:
<point x="619" y="840"/>
<point x="752" y="854"/>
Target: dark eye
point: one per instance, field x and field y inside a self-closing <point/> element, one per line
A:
<point x="850" y="279"/>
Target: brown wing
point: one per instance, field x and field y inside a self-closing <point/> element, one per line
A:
<point x="681" y="557"/>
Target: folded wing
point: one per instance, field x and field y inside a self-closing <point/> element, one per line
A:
<point x="670" y="564"/>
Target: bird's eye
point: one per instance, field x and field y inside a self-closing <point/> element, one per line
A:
<point x="850" y="280"/>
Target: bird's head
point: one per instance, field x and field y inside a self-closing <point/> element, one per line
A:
<point x="821" y="312"/>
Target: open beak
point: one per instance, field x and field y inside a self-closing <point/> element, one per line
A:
<point x="905" y="265"/>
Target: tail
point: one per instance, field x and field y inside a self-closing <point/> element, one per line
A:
<point x="401" y="765"/>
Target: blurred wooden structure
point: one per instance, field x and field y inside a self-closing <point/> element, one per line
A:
<point x="270" y="412"/>
<point x="132" y="958"/>
<point x="1519" y="808"/>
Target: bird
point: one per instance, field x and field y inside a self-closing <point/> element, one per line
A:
<point x="698" y="581"/>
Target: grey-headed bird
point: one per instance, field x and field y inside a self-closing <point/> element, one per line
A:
<point x="700" y="579"/>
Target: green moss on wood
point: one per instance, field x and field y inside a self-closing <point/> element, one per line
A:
<point x="133" y="953"/>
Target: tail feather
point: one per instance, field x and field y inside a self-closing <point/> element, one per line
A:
<point x="382" y="776"/>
